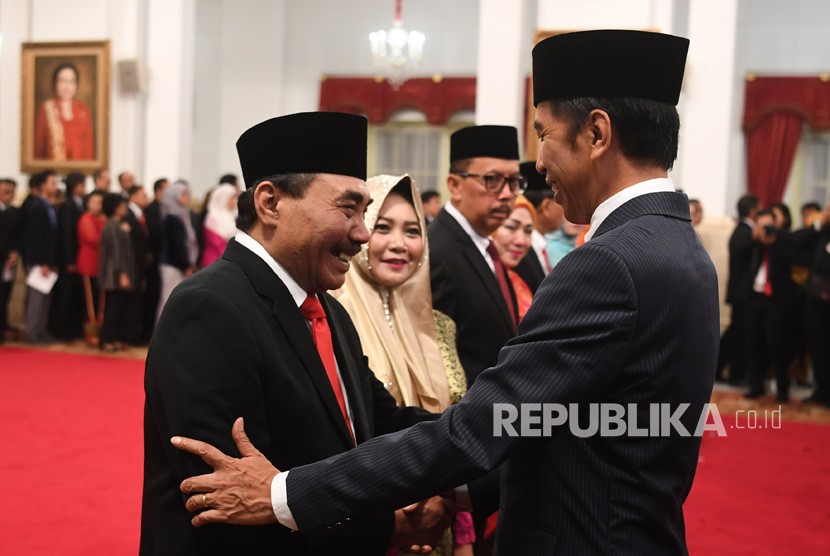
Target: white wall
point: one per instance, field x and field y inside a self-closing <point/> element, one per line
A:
<point x="251" y="59"/>
<point x="150" y="134"/>
<point x="169" y="98"/>
<point x="707" y="110"/>
<point x="14" y="30"/>
<point x="500" y="87"/>
<point x="577" y="15"/>
<point x="773" y="37"/>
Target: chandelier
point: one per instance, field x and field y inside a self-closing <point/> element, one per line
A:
<point x="397" y="50"/>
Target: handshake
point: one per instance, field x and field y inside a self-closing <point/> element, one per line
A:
<point x="238" y="492"/>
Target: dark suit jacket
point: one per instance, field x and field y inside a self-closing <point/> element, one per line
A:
<point x="530" y="270"/>
<point x="464" y="287"/>
<point x="821" y="257"/>
<point x="786" y="294"/>
<point x="40" y="234"/>
<point x="9" y="240"/>
<point x="139" y="238"/>
<point x="231" y="342"/>
<point x="68" y="215"/>
<point x="631" y="317"/>
<point x="174" y="246"/>
<point x="153" y="216"/>
<point x="741" y="248"/>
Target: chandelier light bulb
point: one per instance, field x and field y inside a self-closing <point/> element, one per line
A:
<point x="397" y="50"/>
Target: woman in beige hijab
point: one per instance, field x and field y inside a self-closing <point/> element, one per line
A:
<point x="411" y="347"/>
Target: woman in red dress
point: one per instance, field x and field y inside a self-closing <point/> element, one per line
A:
<point x="63" y="125"/>
<point x="90" y="226"/>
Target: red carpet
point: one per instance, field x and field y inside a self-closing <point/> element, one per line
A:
<point x="70" y="469"/>
<point x="71" y="464"/>
<point x="762" y="492"/>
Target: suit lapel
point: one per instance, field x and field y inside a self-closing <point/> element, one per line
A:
<point x="479" y="265"/>
<point x="348" y="374"/>
<point x="293" y="325"/>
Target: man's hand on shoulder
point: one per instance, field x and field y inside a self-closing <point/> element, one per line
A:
<point x="239" y="489"/>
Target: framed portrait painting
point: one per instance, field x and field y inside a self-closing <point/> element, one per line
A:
<point x="65" y="106"/>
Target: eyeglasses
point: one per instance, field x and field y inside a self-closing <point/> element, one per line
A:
<point x="494" y="183"/>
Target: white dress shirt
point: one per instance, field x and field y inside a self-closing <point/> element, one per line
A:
<point x="612" y="203"/>
<point x="539" y="245"/>
<point x="480" y="241"/>
<point x="136" y="210"/>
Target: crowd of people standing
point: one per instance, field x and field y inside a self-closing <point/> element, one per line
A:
<point x="779" y="292"/>
<point x="99" y="264"/>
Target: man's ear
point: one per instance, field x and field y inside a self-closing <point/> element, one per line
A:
<point x="454" y="187"/>
<point x="599" y="129"/>
<point x="266" y="198"/>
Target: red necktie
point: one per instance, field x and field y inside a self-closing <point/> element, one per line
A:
<point x="767" y="282"/>
<point x="313" y="311"/>
<point x="143" y="222"/>
<point x="501" y="275"/>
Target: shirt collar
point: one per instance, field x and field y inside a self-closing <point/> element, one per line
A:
<point x="480" y="241"/>
<point x="297" y="293"/>
<point x="612" y="203"/>
<point x="749" y="222"/>
<point x="136" y="210"/>
<point x="538" y="240"/>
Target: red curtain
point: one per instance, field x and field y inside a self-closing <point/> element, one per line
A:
<point x="775" y="111"/>
<point x="438" y="98"/>
<point x="771" y="148"/>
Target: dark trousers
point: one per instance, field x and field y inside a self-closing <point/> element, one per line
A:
<point x="150" y="302"/>
<point x="5" y="295"/>
<point x="818" y="335"/>
<point x="68" y="307"/>
<point x="121" y="317"/>
<point x="770" y="342"/>
<point x="37" y="315"/>
<point x="733" y="350"/>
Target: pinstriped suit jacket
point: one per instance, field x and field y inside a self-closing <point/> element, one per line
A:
<point x="629" y="318"/>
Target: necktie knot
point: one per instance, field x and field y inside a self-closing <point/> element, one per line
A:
<point x="493" y="251"/>
<point x="312" y="309"/>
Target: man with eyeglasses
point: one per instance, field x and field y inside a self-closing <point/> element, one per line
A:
<point x="468" y="279"/>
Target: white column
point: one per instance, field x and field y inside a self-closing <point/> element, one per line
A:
<point x="708" y="111"/>
<point x="500" y="81"/>
<point x="581" y="15"/>
<point x="246" y="100"/>
<point x="169" y="120"/>
<point x="127" y="20"/>
<point x="14" y="30"/>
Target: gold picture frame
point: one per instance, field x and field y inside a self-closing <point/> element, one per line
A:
<point x="65" y="106"/>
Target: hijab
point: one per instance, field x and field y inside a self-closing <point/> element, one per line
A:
<point x="406" y="356"/>
<point x="220" y="219"/>
<point x="170" y="206"/>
